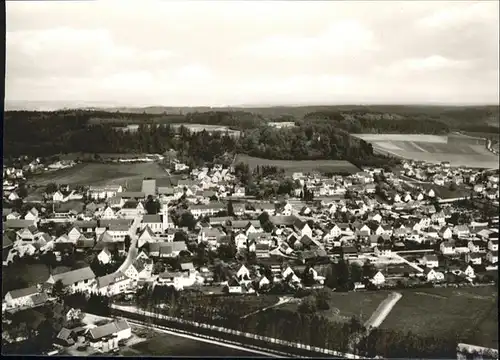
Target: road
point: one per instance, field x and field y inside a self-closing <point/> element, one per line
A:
<point x="132" y="251"/>
<point x="402" y="259"/>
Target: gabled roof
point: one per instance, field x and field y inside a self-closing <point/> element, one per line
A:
<point x="109" y="279"/>
<point x="150" y="219"/>
<point x="17" y="223"/>
<point x="19" y="293"/>
<point x="108" y="329"/>
<point x="74" y="276"/>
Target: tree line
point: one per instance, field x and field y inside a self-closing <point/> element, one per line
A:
<point x="70" y="132"/>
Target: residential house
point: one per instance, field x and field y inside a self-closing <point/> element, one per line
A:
<point x="239" y="191"/>
<point x="493" y="245"/>
<point x="210" y="236"/>
<point x="461" y="231"/>
<point x="107" y="337"/>
<point x="104" y="256"/>
<point x="476" y="246"/>
<point x="75" y="280"/>
<point x="112" y="284"/>
<point x="447" y="248"/>
<point x="492" y="257"/>
<point x="445" y="233"/>
<point x="167" y="249"/>
<point x="21" y="297"/>
<point x="377" y="278"/>
<point x="302" y="228"/>
<point x="98" y="193"/>
<point x="140" y="269"/>
<point x="473" y="258"/>
<point x="430" y="261"/>
<point x="431" y="275"/>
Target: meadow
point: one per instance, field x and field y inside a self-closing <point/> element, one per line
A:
<point x="432" y="148"/>
<point x="343" y="306"/>
<point x="339" y="166"/>
<point x="101" y="174"/>
<point x="171" y="345"/>
<point x="471" y="311"/>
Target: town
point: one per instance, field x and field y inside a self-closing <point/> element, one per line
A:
<point x="239" y="232"/>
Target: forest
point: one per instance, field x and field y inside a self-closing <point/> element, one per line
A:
<point x="69" y="132"/>
<point x="320" y="132"/>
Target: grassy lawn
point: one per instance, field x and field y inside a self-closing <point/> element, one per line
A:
<point x="171" y="345"/>
<point x="100" y="174"/>
<point x="299" y="165"/>
<point x="32" y="274"/>
<point x="343" y="306"/>
<point x="470" y="311"/>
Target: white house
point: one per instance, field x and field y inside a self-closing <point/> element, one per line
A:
<point x="112" y="284"/>
<point x="493" y="245"/>
<point x="98" y="193"/>
<point x="108" y="213"/>
<point x="243" y="273"/>
<point x="20" y="297"/>
<point x="140" y="269"/>
<point x="432" y="275"/>
<point x="378" y="278"/>
<point x="473" y="258"/>
<point x="75" y="280"/>
<point x="447" y="248"/>
<point x="430" y="261"/>
<point x="492" y="257"/>
<point x="57" y="196"/>
<point x="104" y="256"/>
<point x="106" y="337"/>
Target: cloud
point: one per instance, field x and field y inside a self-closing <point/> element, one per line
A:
<point x="175" y="52"/>
<point x="339" y="39"/>
<point x="460" y="13"/>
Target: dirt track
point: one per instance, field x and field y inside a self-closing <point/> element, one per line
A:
<point x="383" y="310"/>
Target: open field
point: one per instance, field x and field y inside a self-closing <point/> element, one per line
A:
<point x="32" y="274"/>
<point x="343" y="306"/>
<point x="472" y="312"/>
<point x="171" y="345"/>
<point x="340" y="166"/>
<point x="208" y="128"/>
<point x="432" y="148"/>
<point x="101" y="174"/>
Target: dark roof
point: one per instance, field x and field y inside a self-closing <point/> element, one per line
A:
<point x="19" y="293"/>
<point x="282" y="220"/>
<point x="106" y="223"/>
<point x="7" y="240"/>
<point x="17" y="223"/>
<point x="151" y="219"/>
<point x="132" y="195"/>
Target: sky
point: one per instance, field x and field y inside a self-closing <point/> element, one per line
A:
<point x="229" y="53"/>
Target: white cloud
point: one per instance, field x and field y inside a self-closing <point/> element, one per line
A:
<point x="460" y="13"/>
<point x="342" y="38"/>
<point x="175" y="52"/>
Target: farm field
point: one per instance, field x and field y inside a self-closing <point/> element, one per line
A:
<point x="209" y="128"/>
<point x="472" y="312"/>
<point x="290" y="166"/>
<point x="171" y="345"/>
<point x="101" y="174"/>
<point x="343" y="306"/>
<point x="431" y="148"/>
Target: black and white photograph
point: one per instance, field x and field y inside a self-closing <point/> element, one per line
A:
<point x="270" y="179"/>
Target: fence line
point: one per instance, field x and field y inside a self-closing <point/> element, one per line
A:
<point x="239" y="333"/>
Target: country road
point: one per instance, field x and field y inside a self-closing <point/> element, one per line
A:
<point x="132" y="251"/>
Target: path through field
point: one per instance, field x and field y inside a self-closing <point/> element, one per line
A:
<point x="282" y="300"/>
<point x="383" y="310"/>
